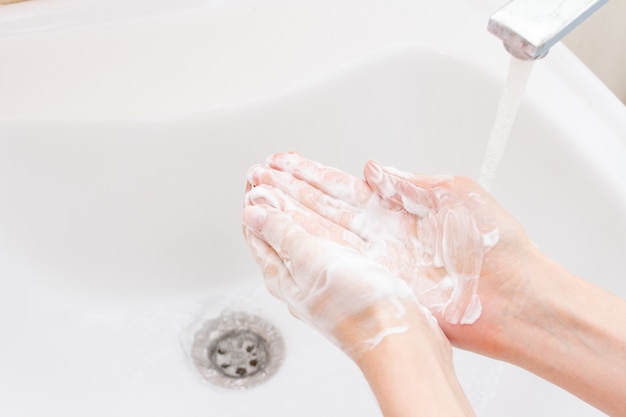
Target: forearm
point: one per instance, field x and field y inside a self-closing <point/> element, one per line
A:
<point x="412" y="374"/>
<point x="571" y="333"/>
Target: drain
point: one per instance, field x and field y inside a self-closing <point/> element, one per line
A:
<point x="239" y="354"/>
<point x="237" y="350"/>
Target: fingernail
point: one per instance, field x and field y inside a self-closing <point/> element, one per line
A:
<point x="379" y="180"/>
<point x="261" y="195"/>
<point x="254" y="217"/>
<point x="254" y="174"/>
<point x="272" y="158"/>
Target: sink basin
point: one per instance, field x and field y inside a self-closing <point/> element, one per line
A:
<point x="124" y="145"/>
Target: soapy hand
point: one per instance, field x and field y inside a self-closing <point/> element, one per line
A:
<point x="327" y="241"/>
<point x="425" y="232"/>
<point x="352" y="300"/>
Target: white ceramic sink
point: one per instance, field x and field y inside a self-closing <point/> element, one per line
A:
<point x="124" y="146"/>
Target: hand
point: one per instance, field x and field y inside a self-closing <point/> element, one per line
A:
<point x="535" y="313"/>
<point x="309" y="263"/>
<point x="352" y="300"/>
<point x="436" y="244"/>
<point x="403" y="221"/>
<point x="506" y="266"/>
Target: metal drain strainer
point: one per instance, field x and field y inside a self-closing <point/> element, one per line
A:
<point x="237" y="350"/>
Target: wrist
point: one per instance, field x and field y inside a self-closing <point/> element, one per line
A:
<point x="365" y="331"/>
<point x="568" y="331"/>
<point x="412" y="372"/>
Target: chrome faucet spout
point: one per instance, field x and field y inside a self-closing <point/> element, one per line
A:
<point x="529" y="28"/>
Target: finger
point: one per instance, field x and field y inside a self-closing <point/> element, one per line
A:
<point x="267" y="195"/>
<point x="331" y="181"/>
<point x="462" y="244"/>
<point x="331" y="208"/>
<point x="305" y="256"/>
<point x="415" y="193"/>
<point x="277" y="277"/>
<point x="312" y="222"/>
<point x="300" y="190"/>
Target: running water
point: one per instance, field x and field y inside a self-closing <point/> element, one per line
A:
<point x="519" y="71"/>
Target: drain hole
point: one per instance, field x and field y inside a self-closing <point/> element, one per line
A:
<point x="237" y="350"/>
<point x="239" y="354"/>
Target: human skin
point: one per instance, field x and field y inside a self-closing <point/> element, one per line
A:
<point x="425" y="249"/>
<point x="535" y="313"/>
<point x="410" y="369"/>
<point x="412" y="373"/>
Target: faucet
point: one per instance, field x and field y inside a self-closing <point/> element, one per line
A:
<point x="529" y="28"/>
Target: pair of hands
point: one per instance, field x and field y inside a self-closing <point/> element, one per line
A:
<point x="349" y="253"/>
<point x="362" y="259"/>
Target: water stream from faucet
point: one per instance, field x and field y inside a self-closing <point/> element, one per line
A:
<point x="517" y="78"/>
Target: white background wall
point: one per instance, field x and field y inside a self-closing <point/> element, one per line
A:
<point x="600" y="42"/>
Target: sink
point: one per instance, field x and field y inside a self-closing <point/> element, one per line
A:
<point x="124" y="146"/>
